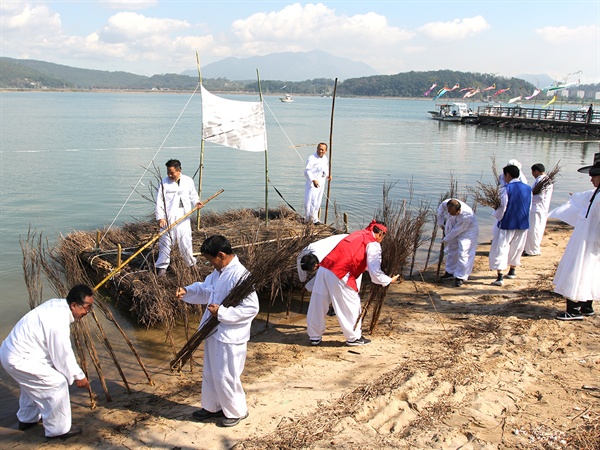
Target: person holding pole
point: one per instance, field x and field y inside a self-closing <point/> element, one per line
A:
<point x="38" y="354"/>
<point x="315" y="172"/>
<point x="176" y="196"/>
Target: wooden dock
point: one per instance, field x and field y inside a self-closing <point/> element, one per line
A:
<point x="577" y="122"/>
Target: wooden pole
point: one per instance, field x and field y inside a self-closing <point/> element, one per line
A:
<point x="266" y="161"/>
<point x="330" y="151"/>
<point x="153" y="240"/>
<point x="201" y="164"/>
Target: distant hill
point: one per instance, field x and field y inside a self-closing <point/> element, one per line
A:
<point x="26" y="74"/>
<point x="287" y="66"/>
<point x="539" y="80"/>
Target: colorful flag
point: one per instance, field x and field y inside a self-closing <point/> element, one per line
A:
<point x="516" y="99"/>
<point x="430" y="89"/>
<point x="550" y="102"/>
<point x="472" y="93"/>
<point x="493" y="86"/>
<point x="535" y="92"/>
<point x="233" y="123"/>
<point x="500" y="91"/>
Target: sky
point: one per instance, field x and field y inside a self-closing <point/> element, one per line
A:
<point x="146" y="37"/>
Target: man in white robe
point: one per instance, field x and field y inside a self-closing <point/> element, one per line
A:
<point x="38" y="355"/>
<point x="175" y="197"/>
<point x="223" y="396"/>
<point x="316" y="173"/>
<point x="461" y="232"/>
<point x="576" y="277"/>
<point x="540" y="205"/>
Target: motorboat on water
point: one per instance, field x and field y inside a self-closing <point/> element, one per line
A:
<point x="287" y="98"/>
<point x="453" y="112"/>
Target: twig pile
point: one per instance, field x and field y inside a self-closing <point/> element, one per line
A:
<point x="547" y="181"/>
<point x="487" y="194"/>
<point x="404" y="237"/>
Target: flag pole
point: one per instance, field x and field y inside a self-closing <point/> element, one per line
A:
<point x="201" y="164"/>
<point x="266" y="161"/>
<point x="330" y="151"/>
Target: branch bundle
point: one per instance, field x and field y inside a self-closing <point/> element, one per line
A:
<point x="547" y="181"/>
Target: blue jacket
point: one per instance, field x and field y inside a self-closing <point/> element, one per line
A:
<point x="516" y="216"/>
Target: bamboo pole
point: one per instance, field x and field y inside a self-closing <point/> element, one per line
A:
<point x="330" y="152"/>
<point x="112" y="353"/>
<point x="266" y="161"/>
<point x="153" y="240"/>
<point x="201" y="164"/>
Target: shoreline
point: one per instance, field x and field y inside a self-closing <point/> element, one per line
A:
<point x="481" y="366"/>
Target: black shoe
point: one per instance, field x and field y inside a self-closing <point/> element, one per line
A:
<point x="317" y="223"/>
<point x="27" y="425"/>
<point x="446" y="276"/>
<point x="315" y="342"/>
<point x="331" y="311"/>
<point x="230" y="421"/>
<point x="74" y="431"/>
<point x="360" y="341"/>
<point x="573" y="315"/>
<point x="587" y="308"/>
<point x="203" y="414"/>
<point x="458" y="282"/>
<point x="511" y="275"/>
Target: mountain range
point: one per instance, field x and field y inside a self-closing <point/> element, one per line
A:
<point x="286" y="66"/>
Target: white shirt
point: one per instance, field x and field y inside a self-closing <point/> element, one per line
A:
<point x="316" y="168"/>
<point x="234" y="322"/>
<point x="44" y="335"/>
<point x="320" y="249"/>
<point x="176" y="196"/>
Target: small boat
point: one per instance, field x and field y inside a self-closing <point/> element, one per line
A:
<point x="453" y="112"/>
<point x="287" y="99"/>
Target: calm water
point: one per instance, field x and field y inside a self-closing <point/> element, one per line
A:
<point x="72" y="160"/>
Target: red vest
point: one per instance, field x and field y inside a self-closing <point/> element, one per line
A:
<point x="350" y="256"/>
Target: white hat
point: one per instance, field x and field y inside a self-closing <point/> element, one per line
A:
<point x="514" y="162"/>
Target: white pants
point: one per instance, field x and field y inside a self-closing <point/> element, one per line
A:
<point x="313" y="198"/>
<point x="182" y="235"/>
<point x="221" y="385"/>
<point x="507" y="247"/>
<point x="346" y="303"/>
<point x="461" y="257"/>
<point x="537" y="225"/>
<point x="44" y="393"/>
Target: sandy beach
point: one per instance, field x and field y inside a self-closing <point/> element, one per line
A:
<point x="475" y="367"/>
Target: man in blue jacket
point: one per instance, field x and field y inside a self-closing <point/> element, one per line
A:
<point x="510" y="233"/>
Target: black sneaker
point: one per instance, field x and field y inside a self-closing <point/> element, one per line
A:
<point x="331" y="312"/>
<point x="315" y="342"/>
<point x="458" y="282"/>
<point x="587" y="312"/>
<point x="203" y="414"/>
<point x="230" y="421"/>
<point x="360" y="341"/>
<point x="74" y="431"/>
<point x="573" y="315"/>
<point x="447" y="276"/>
<point x="27" y="425"/>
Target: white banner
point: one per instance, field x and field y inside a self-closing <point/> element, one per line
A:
<point x="233" y="123"/>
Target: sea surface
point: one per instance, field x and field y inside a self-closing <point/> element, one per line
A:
<point x="82" y="161"/>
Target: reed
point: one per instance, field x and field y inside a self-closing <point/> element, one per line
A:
<point x="405" y="224"/>
<point x="487" y="194"/>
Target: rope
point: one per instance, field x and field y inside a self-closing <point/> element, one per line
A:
<point x="149" y="165"/>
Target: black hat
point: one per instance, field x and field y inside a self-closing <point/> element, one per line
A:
<point x="594" y="169"/>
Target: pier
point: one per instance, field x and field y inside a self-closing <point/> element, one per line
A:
<point x="578" y="122"/>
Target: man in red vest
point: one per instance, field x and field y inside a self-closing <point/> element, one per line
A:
<point x="338" y="282"/>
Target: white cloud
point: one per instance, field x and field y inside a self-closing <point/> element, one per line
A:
<point x="129" y="4"/>
<point x="315" y="26"/>
<point x="22" y="19"/>
<point x="455" y="30"/>
<point x="564" y="35"/>
<point x="129" y="26"/>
